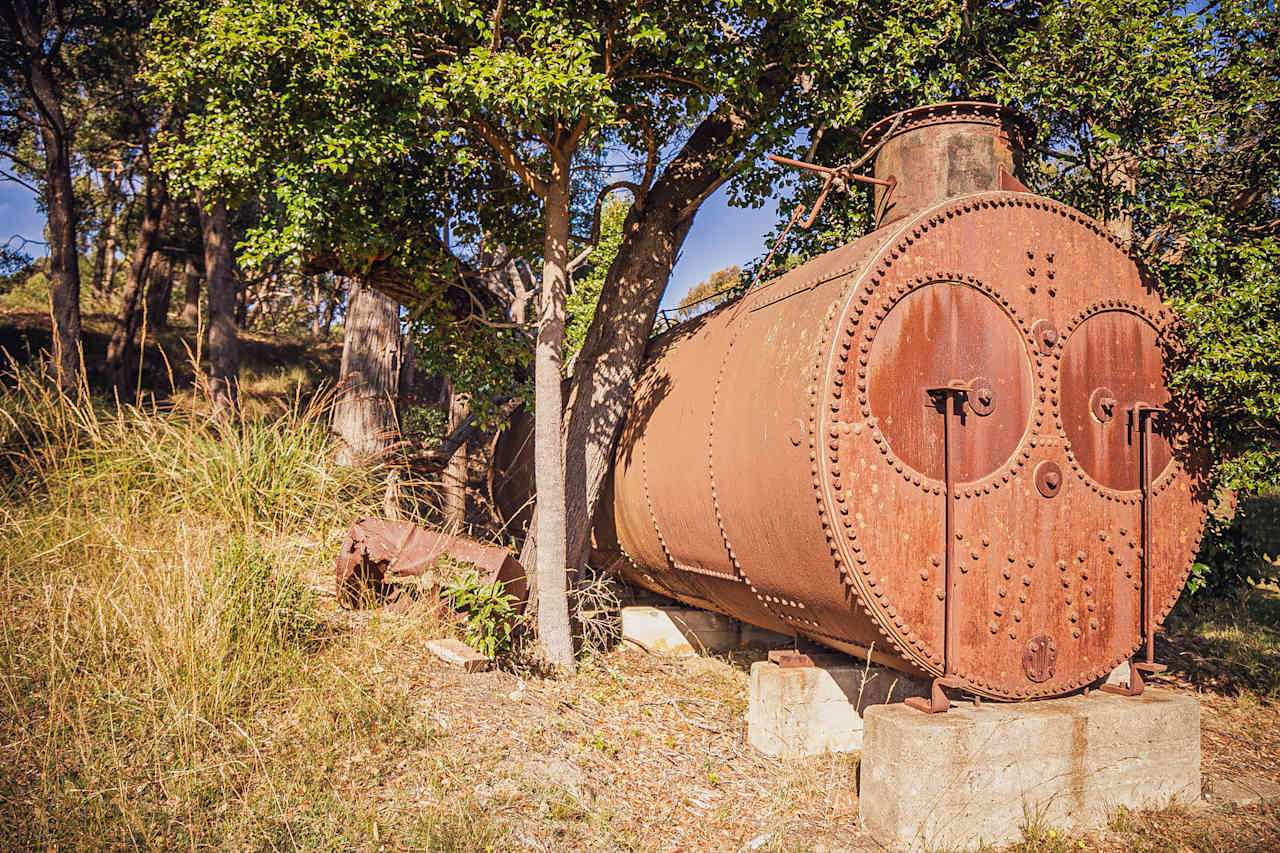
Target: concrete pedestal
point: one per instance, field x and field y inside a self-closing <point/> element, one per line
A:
<point x="688" y="631"/>
<point x="793" y="712"/>
<point x="976" y="776"/>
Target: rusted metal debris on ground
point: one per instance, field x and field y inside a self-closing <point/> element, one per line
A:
<point x="377" y="551"/>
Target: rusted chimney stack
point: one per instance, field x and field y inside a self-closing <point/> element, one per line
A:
<point x="944" y="150"/>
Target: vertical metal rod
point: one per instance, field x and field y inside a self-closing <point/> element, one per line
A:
<point x="1140" y="420"/>
<point x="1144" y="476"/>
<point x="949" y="525"/>
<point x="944" y="399"/>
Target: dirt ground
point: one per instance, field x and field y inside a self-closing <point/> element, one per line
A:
<point x="640" y="752"/>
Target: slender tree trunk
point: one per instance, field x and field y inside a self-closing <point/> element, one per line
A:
<point x="191" y="296"/>
<point x="220" y="278"/>
<point x="159" y="292"/>
<point x="600" y="388"/>
<point x="124" y="334"/>
<point x="364" y="416"/>
<point x="64" y="259"/>
<point x="105" y="244"/>
<point x="330" y="312"/>
<point x="316" y="305"/>
<point x="554" y="636"/>
<point x="455" y="473"/>
<point x="408" y="379"/>
<point x="109" y="267"/>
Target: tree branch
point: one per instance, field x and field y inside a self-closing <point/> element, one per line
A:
<point x="674" y="78"/>
<point x="502" y="146"/>
<point x="9" y="177"/>
<point x="496" y="23"/>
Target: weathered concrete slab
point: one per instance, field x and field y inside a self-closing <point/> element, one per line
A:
<point x="978" y="775"/>
<point x="688" y="631"/>
<point x="793" y="712"/>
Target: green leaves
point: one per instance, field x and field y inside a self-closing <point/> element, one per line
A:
<point x="490" y="611"/>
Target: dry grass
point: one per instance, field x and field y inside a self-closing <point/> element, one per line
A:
<point x="168" y="675"/>
<point x="174" y="673"/>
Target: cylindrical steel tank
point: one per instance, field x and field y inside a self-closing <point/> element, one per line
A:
<point x="786" y="457"/>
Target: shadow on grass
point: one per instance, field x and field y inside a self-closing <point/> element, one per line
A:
<point x="1226" y="637"/>
<point x="1226" y="645"/>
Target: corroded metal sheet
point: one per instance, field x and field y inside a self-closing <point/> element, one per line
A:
<point x="376" y="549"/>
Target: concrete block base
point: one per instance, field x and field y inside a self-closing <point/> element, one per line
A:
<point x="975" y="776"/>
<point x="793" y="712"/>
<point x="688" y="631"/>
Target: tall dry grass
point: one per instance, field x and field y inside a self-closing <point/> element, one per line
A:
<point x="168" y="678"/>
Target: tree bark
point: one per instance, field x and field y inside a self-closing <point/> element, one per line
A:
<point x="316" y="307"/>
<point x="159" y="292"/>
<point x="26" y="21"/>
<point x="554" y="636"/>
<point x="455" y="472"/>
<point x="364" y="416"/>
<point x="219" y="273"/>
<point x="64" y="260"/>
<point x="124" y="334"/>
<point x="191" y="296"/>
<point x="104" y="258"/>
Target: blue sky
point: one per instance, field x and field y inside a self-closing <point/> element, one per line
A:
<point x="721" y="235"/>
<point x="18" y="215"/>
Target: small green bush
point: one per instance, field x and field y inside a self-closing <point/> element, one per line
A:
<point x="490" y="610"/>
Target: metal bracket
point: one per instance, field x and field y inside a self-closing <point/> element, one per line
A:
<point x="937" y="703"/>
<point x="1140" y="418"/>
<point x="941" y="398"/>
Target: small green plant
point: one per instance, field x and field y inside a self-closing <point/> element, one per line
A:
<point x="490" y="610"/>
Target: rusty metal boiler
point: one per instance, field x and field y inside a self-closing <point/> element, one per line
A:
<point x="948" y="444"/>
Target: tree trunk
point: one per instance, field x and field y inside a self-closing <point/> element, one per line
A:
<point x="159" y="292"/>
<point x="64" y="259"/>
<point x="124" y="334"/>
<point x="364" y="416"/>
<point x="554" y="637"/>
<point x="109" y="268"/>
<point x="600" y="388"/>
<point x="191" y="297"/>
<point x="331" y="311"/>
<point x="105" y="244"/>
<point x="1120" y="170"/>
<point x="455" y="473"/>
<point x="220" y="278"/>
<point x="316" y="305"/>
